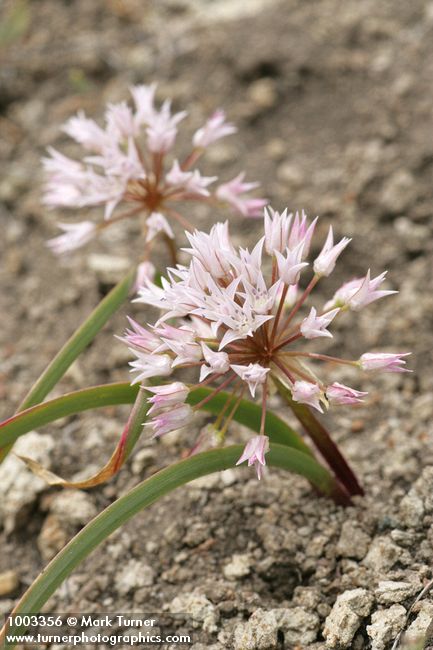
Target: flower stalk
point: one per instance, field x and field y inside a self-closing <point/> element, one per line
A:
<point x="322" y="441"/>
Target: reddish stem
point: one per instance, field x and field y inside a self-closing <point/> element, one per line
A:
<point x="323" y="442"/>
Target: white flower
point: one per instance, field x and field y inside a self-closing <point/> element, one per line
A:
<point x="254" y="374"/>
<point x="324" y="264"/>
<point x="290" y="267"/>
<point x="360" y="292"/>
<point x="315" y="326"/>
<point x="212" y="250"/>
<point x="150" y="365"/>
<point x="254" y="453"/>
<point x="277" y="228"/>
<point x="75" y="235"/>
<point x="171" y="420"/>
<point x="306" y="392"/>
<point x="157" y="223"/>
<point x="215" y="128"/>
<point x="218" y="362"/>
<point x="162" y="129"/>
<point x="166" y="396"/>
<point x="143" y="98"/>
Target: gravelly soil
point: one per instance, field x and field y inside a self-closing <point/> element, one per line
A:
<point x="334" y="107"/>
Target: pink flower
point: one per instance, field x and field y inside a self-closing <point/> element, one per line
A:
<point x="143" y="97"/>
<point x="121" y="168"/>
<point x="387" y="362"/>
<point x="150" y="365"/>
<point x="254" y="374"/>
<point x="218" y="362"/>
<point x="157" y="223"/>
<point x="140" y="338"/>
<point x="359" y="293"/>
<point x="340" y="394"/>
<point x="85" y="131"/>
<point x="171" y="420"/>
<point x="162" y="129"/>
<point x="290" y="267"/>
<point x="215" y="128"/>
<point x="324" y="264"/>
<point x="254" y="453"/>
<point x="315" y="326"/>
<point x="75" y="235"/>
<point x="305" y="392"/>
<point x="213" y="250"/>
<point x="120" y="122"/>
<point x="231" y="193"/>
<point x="277" y="228"/>
<point x="225" y="316"/>
<point x="167" y="395"/>
<point x="302" y="233"/>
<point x="145" y="270"/>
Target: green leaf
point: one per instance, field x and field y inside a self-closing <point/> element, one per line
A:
<point x="75" y="345"/>
<point x="145" y="494"/>
<point x="127" y="442"/>
<point x="248" y="413"/>
<point x="78" y="342"/>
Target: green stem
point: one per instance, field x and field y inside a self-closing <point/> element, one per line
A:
<point x="144" y="495"/>
<point x="323" y="442"/>
<point x="75" y="345"/>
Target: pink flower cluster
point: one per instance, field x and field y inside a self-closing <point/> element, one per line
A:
<point x="241" y="327"/>
<point x="125" y="164"/>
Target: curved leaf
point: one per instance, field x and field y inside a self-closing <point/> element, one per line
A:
<point x="78" y="341"/>
<point x="75" y="345"/>
<point x="248" y="413"/>
<point x="147" y="493"/>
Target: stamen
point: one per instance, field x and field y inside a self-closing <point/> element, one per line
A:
<point x="301" y="301"/>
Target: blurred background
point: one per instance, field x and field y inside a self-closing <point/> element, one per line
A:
<point x="333" y="104"/>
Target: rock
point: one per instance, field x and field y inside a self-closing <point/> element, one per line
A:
<point x="73" y="507"/>
<point x="134" y="575"/>
<point x="263" y="93"/>
<point x="389" y="591"/>
<point x="385" y="625"/>
<point x="419" y="627"/>
<point x="290" y="175"/>
<point x="382" y="554"/>
<point x="299" y="626"/>
<point x="238" y="567"/>
<point x="307" y="597"/>
<point x="52" y="538"/>
<point x="108" y="268"/>
<point x="142" y="459"/>
<point x="196" y="605"/>
<point x="398" y="192"/>
<point x="346" y="616"/>
<point x="19" y="487"/>
<point x="418" y="501"/>
<point x="260" y="632"/>
<point x="353" y="541"/>
<point x="9" y="582"/>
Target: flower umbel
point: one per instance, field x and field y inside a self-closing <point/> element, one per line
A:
<point x="237" y="329"/>
<point x="125" y="166"/>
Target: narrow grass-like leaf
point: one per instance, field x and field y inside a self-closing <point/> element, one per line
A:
<point x="78" y="342"/>
<point x="127" y="442"/>
<point x="248" y="413"/>
<point x="147" y="493"/>
<point x="75" y="345"/>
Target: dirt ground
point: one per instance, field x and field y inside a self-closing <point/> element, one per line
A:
<point x="333" y="101"/>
